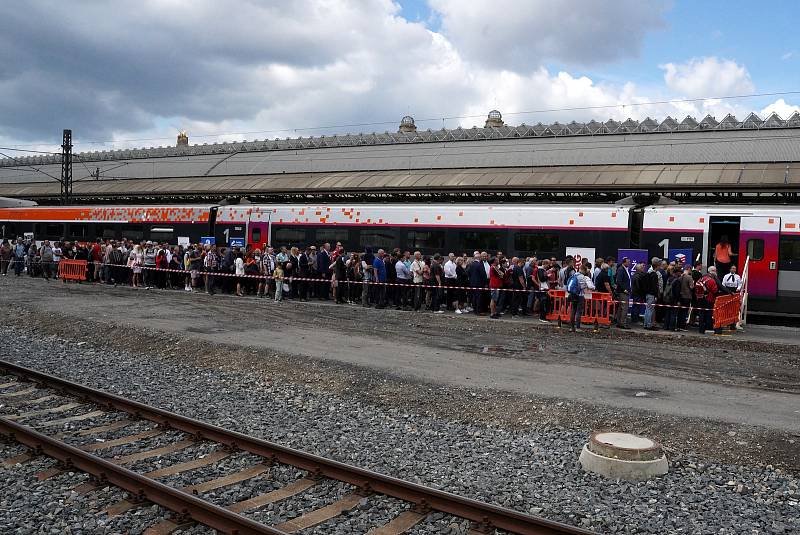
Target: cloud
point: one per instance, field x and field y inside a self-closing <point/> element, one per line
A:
<point x="708" y="76"/>
<point x="788" y="55"/>
<point x="522" y="35"/>
<point x="781" y="107"/>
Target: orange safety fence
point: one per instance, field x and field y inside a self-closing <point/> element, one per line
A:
<point x="726" y="310"/>
<point x="598" y="307"/>
<point x="72" y="270"/>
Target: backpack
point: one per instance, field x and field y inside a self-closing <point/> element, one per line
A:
<point x="673" y="292"/>
<point x="700" y="289"/>
<point x="573" y="286"/>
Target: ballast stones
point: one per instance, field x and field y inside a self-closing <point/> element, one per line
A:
<point x="623" y="456"/>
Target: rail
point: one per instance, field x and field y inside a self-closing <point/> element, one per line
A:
<point x="485" y="515"/>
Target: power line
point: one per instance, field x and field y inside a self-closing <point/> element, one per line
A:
<point x="444" y="118"/>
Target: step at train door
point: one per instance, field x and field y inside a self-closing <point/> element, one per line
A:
<point x="759" y="238"/>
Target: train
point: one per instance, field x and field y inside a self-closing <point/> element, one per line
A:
<point x="768" y="235"/>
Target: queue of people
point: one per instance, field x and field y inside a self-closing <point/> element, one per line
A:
<point x="660" y="295"/>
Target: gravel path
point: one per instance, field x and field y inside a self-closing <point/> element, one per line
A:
<point x="533" y="470"/>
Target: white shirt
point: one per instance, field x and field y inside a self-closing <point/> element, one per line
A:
<point x="57" y="254"/>
<point x="732" y="281"/>
<point x="450" y="270"/>
<point x="487" y="267"/>
<point x="239" y="263"/>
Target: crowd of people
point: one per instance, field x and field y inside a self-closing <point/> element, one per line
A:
<point x="660" y="295"/>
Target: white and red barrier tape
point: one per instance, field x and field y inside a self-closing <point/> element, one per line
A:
<point x="392" y="284"/>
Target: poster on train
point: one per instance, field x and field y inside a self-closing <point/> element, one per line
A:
<point x="579" y="253"/>
<point x="636" y="255"/>
<point x="681" y="256"/>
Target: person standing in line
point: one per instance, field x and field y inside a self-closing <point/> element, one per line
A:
<point x="417" y="268"/>
<point x="239" y="271"/>
<point x="576" y="284"/>
<point x="303" y="272"/>
<point x="379" y="270"/>
<point x="519" y="297"/>
<point x="706" y="290"/>
<point x="437" y="283"/>
<point x="449" y="268"/>
<point x="623" y="292"/>
<point x="652" y="291"/>
<point x="496" y="276"/>
<point x="277" y="275"/>
<point x="48" y="260"/>
<point x="462" y="281"/>
<point x="19" y="257"/>
<point x="6" y="253"/>
<point x="324" y="272"/>
<point x="404" y="278"/>
<point x="58" y="253"/>
<point x="211" y="265"/>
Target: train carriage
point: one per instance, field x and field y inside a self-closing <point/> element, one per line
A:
<point x="769" y="235"/>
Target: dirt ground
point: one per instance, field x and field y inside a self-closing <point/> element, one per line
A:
<point x="730" y="398"/>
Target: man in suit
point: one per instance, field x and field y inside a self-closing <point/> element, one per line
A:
<point x="477" y="280"/>
<point x="623" y="280"/>
<point x="323" y="270"/>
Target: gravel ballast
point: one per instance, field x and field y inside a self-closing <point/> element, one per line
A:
<point x="533" y="470"/>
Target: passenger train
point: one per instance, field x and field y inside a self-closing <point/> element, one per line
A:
<point x="768" y="235"/>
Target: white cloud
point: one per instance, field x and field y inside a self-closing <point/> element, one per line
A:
<point x="781" y="107"/>
<point x="261" y="70"/>
<point x="707" y="77"/>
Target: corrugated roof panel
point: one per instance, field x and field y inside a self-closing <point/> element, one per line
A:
<point x="752" y="174"/>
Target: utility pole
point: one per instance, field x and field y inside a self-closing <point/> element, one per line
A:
<point x="66" y="167"/>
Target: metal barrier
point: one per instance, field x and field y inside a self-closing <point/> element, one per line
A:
<point x="726" y="310"/>
<point x="72" y="270"/>
<point x="598" y="308"/>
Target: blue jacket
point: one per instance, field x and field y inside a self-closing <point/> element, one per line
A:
<point x="623" y="279"/>
<point x="323" y="261"/>
<point x="380" y="269"/>
<point x="477" y="275"/>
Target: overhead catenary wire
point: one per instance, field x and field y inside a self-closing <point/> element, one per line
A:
<point x="446" y="118"/>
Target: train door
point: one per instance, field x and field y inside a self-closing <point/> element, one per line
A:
<point x="259" y="228"/>
<point x="720" y="227"/>
<point x="759" y="239"/>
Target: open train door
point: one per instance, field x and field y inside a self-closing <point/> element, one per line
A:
<point x="759" y="238"/>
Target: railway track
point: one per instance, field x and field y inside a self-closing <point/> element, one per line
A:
<point x="44" y="403"/>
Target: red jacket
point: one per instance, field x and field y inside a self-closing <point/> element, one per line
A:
<point x="707" y="288"/>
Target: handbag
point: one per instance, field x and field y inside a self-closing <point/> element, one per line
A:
<point x="285" y="286"/>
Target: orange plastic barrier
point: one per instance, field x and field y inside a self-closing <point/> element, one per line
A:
<point x="558" y="306"/>
<point x="726" y="310"/>
<point x="72" y="270"/>
<point x="598" y="308"/>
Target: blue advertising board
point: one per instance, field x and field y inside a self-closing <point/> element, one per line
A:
<point x="208" y="240"/>
<point x="236" y="242"/>
<point x="637" y="256"/>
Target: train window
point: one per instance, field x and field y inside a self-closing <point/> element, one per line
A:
<point x="256" y="235"/>
<point x="332" y="235"/>
<point x="78" y="231"/>
<point x="162" y="234"/>
<point x="790" y="253"/>
<point x="426" y="240"/>
<point x="133" y="232"/>
<point x="378" y="239"/>
<point x="54" y="230"/>
<point x="480" y="241"/>
<point x="289" y="236"/>
<point x="755" y="249"/>
<point x="536" y="243"/>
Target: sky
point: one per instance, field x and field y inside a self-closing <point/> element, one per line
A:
<point x="133" y="73"/>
